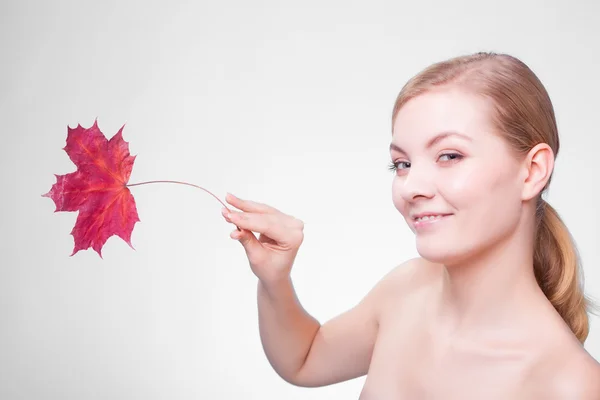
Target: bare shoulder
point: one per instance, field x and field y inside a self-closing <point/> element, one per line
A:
<point x="343" y="346"/>
<point x="580" y="377"/>
<point x="407" y="278"/>
<point x="575" y="375"/>
<point x="411" y="274"/>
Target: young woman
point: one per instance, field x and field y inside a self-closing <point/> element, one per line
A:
<point x="493" y="308"/>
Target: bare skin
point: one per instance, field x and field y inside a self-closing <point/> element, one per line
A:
<point x="418" y="355"/>
<point x="466" y="320"/>
<point x="397" y="337"/>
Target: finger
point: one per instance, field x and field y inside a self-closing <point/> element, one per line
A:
<point x="242" y="235"/>
<point x="248" y="240"/>
<point x="289" y="221"/>
<point x="225" y="212"/>
<point x="248" y="205"/>
<point x="271" y="225"/>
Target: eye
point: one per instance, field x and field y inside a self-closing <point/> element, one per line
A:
<point x="394" y="166"/>
<point x="446" y="157"/>
<point x="450" y="157"/>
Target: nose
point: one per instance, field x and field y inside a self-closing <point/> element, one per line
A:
<point x="417" y="184"/>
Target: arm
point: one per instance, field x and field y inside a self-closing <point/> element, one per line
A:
<point x="299" y="349"/>
<point x="306" y="353"/>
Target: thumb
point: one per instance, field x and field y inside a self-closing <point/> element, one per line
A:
<point x="247" y="239"/>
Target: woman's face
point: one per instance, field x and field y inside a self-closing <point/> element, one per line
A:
<point x="456" y="172"/>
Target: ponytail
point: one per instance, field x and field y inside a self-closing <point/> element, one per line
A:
<point x="557" y="269"/>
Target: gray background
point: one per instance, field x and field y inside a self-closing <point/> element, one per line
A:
<point x="283" y="103"/>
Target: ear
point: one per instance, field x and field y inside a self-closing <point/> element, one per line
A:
<point x="538" y="165"/>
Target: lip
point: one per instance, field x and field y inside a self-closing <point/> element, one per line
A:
<point x="424" y="213"/>
<point x="429" y="222"/>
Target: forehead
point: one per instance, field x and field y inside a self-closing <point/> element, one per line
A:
<point x="443" y="110"/>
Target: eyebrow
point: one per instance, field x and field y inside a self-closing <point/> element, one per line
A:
<point x="434" y="140"/>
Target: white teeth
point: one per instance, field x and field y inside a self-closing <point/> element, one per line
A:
<point x="428" y="218"/>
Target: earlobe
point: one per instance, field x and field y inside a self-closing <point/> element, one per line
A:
<point x="539" y="164"/>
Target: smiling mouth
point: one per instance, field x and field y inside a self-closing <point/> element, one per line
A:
<point x="429" y="219"/>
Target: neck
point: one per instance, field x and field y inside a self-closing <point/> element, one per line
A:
<point x="494" y="289"/>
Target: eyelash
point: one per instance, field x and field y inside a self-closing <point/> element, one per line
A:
<point x="394" y="165"/>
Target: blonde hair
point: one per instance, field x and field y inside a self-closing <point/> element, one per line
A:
<point x="524" y="115"/>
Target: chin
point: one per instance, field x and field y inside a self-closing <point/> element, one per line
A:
<point x="439" y="252"/>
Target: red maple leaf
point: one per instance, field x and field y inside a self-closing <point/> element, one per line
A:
<point x="98" y="189"/>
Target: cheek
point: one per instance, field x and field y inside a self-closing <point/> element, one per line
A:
<point x="487" y="197"/>
<point x="478" y="184"/>
<point x="464" y="189"/>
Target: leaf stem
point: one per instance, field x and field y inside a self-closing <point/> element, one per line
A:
<point x="182" y="183"/>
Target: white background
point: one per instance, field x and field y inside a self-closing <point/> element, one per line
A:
<point x="287" y="103"/>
